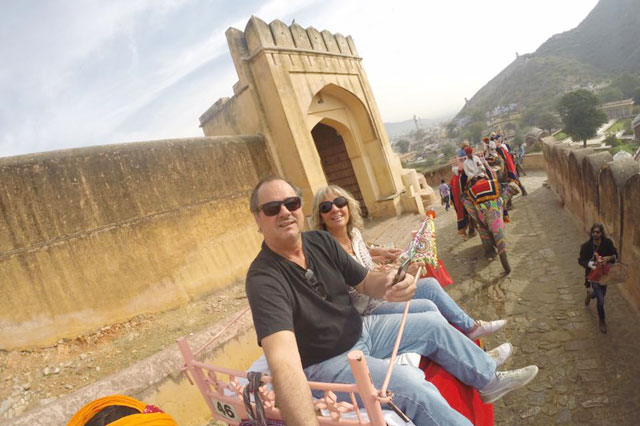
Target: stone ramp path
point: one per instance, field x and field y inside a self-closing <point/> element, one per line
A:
<point x="586" y="377"/>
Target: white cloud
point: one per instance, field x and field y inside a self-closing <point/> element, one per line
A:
<point x="94" y="72"/>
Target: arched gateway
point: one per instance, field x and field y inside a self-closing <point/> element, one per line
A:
<point x="306" y="92"/>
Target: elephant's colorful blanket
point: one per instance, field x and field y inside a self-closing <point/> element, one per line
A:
<point x="484" y="190"/>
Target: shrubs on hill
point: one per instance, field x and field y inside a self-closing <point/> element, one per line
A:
<point x="612" y="141"/>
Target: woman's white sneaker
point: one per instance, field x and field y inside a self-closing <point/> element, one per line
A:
<point x="486" y="328"/>
<point x="501" y="353"/>
<point x="506" y="381"/>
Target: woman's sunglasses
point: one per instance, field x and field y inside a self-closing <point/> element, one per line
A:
<point x="326" y="206"/>
<point x="272" y="208"/>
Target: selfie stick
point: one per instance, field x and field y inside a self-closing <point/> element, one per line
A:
<point x="394" y="353"/>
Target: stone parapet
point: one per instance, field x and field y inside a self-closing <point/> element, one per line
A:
<point x="596" y="189"/>
<point x="277" y="34"/>
<point x="611" y="181"/>
<point x="591" y="166"/>
<point x="575" y="199"/>
<point x="98" y="235"/>
<point x="533" y="161"/>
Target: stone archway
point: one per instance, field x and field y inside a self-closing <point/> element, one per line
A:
<point x="335" y="161"/>
<point x="349" y="147"/>
<point x="289" y="80"/>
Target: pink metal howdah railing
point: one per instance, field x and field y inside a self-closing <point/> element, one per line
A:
<point x="223" y="393"/>
<point x="225" y="397"/>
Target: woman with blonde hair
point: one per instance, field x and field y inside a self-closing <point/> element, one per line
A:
<point x="336" y="211"/>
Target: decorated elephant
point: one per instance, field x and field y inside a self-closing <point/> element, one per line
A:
<point x="485" y="204"/>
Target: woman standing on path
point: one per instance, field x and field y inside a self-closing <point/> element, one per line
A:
<point x="595" y="254"/>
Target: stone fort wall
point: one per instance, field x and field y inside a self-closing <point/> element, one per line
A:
<point x="594" y="188"/>
<point x="97" y="235"/>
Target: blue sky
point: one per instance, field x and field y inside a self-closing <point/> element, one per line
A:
<point x="91" y="72"/>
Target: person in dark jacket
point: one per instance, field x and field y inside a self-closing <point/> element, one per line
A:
<point x="598" y="250"/>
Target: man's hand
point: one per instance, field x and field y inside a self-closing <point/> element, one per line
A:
<point x="402" y="290"/>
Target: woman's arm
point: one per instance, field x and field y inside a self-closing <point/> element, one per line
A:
<point x="585" y="256"/>
<point x="384" y="253"/>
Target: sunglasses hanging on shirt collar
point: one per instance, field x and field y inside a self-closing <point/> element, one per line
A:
<point x="316" y="285"/>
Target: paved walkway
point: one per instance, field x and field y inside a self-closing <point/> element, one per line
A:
<point x="586" y="378"/>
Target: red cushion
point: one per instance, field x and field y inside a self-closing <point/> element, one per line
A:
<point x="440" y="273"/>
<point x="462" y="398"/>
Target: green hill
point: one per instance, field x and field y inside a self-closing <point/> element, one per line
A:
<point x="600" y="49"/>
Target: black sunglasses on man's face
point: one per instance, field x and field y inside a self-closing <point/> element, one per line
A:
<point x="272" y="208"/>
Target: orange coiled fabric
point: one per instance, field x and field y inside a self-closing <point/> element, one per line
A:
<point x="145" y="418"/>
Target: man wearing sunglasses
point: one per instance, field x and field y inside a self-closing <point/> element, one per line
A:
<point x="306" y="323"/>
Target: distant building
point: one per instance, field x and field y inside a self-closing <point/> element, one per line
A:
<point x="502" y="116"/>
<point x="501" y="122"/>
<point x="618" y="109"/>
<point x="463" y="121"/>
<point x="635" y="125"/>
<point x="503" y="109"/>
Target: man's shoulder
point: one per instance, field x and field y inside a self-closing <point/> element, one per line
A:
<point x="266" y="270"/>
<point x="265" y="259"/>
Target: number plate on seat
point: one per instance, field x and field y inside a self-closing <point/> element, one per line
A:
<point x="225" y="410"/>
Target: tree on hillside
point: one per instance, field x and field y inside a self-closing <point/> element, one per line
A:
<point x="511" y="127"/>
<point x="612" y="141"/>
<point x="548" y="121"/>
<point x="478" y="115"/>
<point x="473" y="132"/>
<point x="610" y="94"/>
<point x="627" y="83"/>
<point x="636" y="96"/>
<point x="530" y="116"/>
<point x="517" y="140"/>
<point x="452" y="129"/>
<point x="580" y="115"/>
<point x="403" y="146"/>
<point x="449" y="150"/>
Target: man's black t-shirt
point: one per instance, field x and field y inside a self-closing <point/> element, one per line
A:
<point x="323" y="319"/>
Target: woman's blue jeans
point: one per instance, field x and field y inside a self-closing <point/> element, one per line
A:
<point x="428" y="334"/>
<point x="599" y="292"/>
<point x="430" y="296"/>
